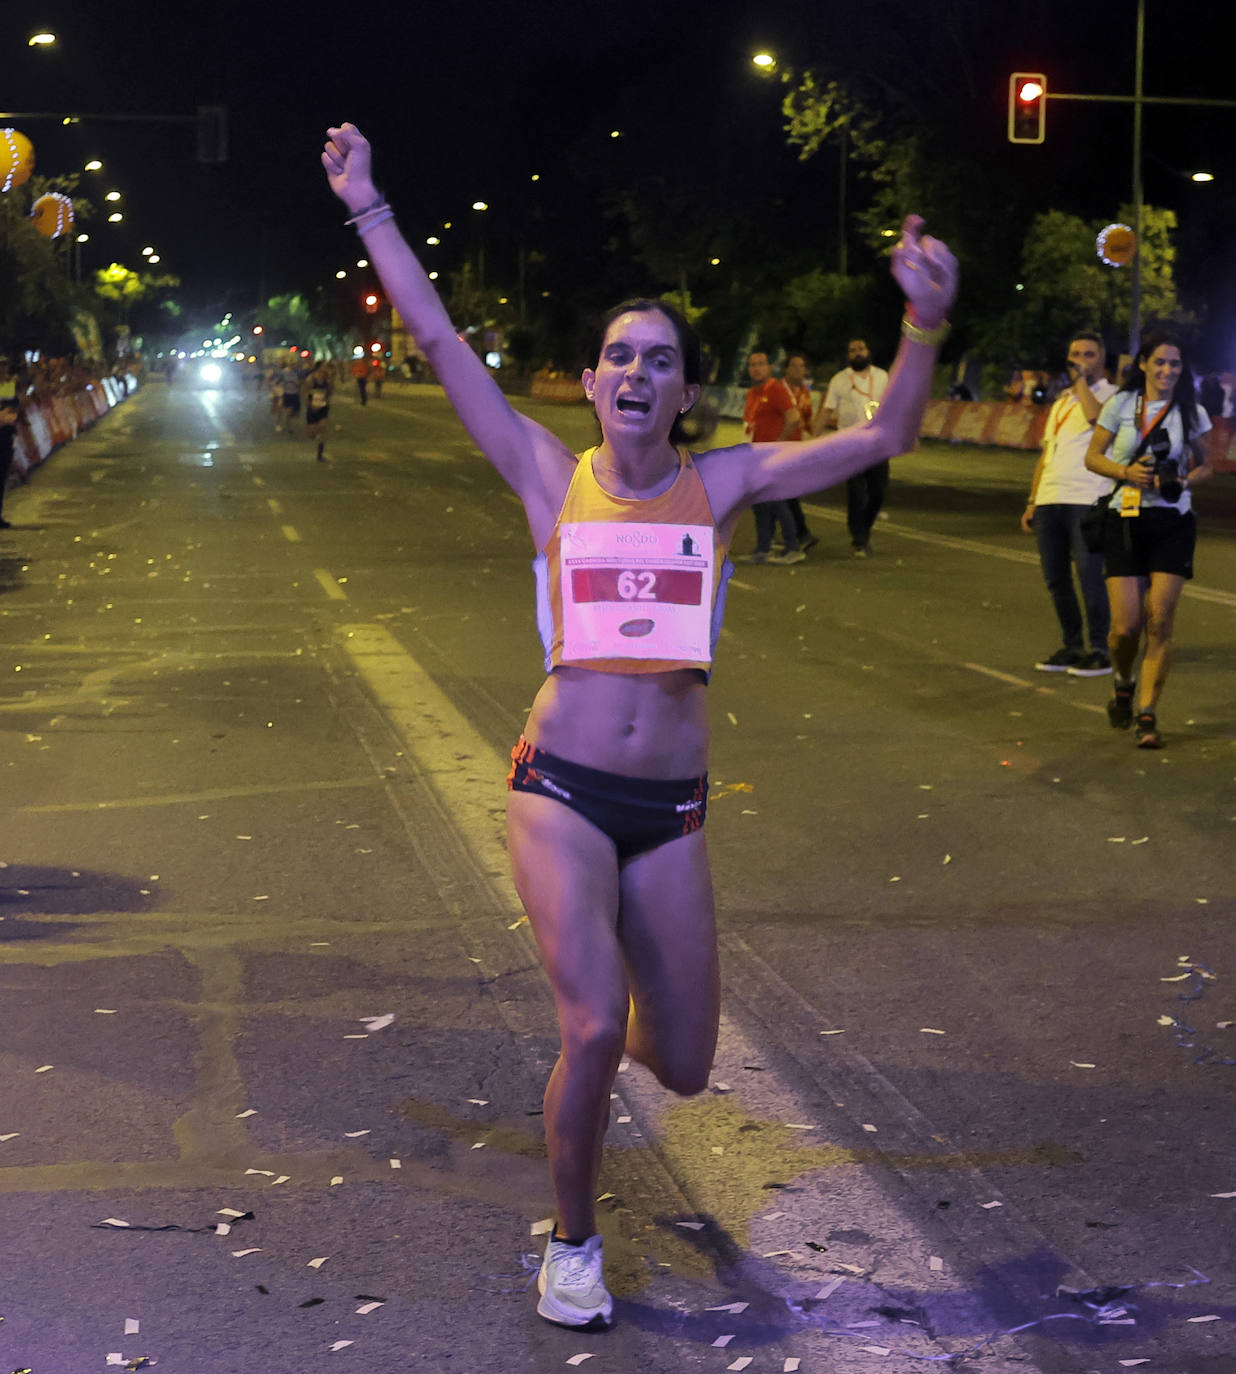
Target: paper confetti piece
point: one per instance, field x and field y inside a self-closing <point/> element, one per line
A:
<point x="722" y="1341"/>
<point x="263" y="897"/>
<point x="105" y="1011"/>
<point x="722" y="1088"/>
<point x="774" y="1254"/>
<point x="1177" y="978"/>
<point x="876" y="1349"/>
<point x="1115" y="839"/>
<point x="46" y="1068"/>
<point x="851" y="1268"/>
<point x="929" y="1030"/>
<point x="269" y="1173"/>
<point x="377" y="1023"/>
<point x="790" y="1366"/>
<point x="398" y="1163"/>
<point x="867" y="1126"/>
<point x="798" y="1126"/>
<point x="480" y="1145"/>
<point x="1128" y="1364"/>
<point x="542" y="1227"/>
<point x="253" y="1250"/>
<point x="935" y="1264"/>
<point x="740" y="1363"/>
<point x="355" y="1135"/>
<point x="948" y="859"/>
<point x="111" y="1221"/>
<point x="623" y="1120"/>
<point x="366" y="1307"/>
<point x="340" y="1345"/>
<point x="853" y="1326"/>
<point x="223" y="1228"/>
<point x="317" y="1263"/>
<point x="1223" y="1195"/>
<point x="829" y="1289"/>
<point x="132" y="1326"/>
<point x="732" y="717"/>
<point x="283" y="1178"/>
<point x="1145" y="839"/>
<point x="479" y="1101"/>
<point x="734" y="1307"/>
<point x="338" y="1178"/>
<point x="580" y="1358"/>
<point x="230" y="1212"/>
<point x="251" y="1111"/>
<point x="362" y="1035"/>
<point x="1211" y="1317"/>
<point x="987" y="1206"/>
<point x="9" y="1135"/>
<point x="832" y="1032"/>
<point x="1077" y="1065"/>
<point x="691" y="1225"/>
<point x="115" y="1357"/>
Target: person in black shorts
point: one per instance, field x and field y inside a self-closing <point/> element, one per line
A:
<point x="1158" y="438"/>
<point x="318" y="390"/>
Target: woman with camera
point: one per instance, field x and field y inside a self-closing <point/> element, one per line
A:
<point x="1155" y="432"/>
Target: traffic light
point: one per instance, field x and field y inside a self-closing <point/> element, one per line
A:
<point x="1027" y="107"/>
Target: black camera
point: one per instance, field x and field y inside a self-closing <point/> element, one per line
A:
<point x="1166" y="469"/>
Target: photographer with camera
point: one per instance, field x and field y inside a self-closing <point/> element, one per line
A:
<point x="1156" y="434"/>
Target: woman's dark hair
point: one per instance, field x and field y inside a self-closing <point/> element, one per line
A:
<point x="688" y="349"/>
<point x="1185" y="394"/>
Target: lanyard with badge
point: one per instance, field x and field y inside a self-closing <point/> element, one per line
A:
<point x="1131" y="496"/>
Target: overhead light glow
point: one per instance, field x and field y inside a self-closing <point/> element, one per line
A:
<point x="765" y="61"/>
<point x="479" y="205"/>
<point x="1202" y="176"/>
<point x="40" y="40"/>
<point x="146" y="252"/>
<point x="112" y="195"/>
<point x="94" y="165"/>
<point x="339" y="276"/>
<point x="154" y="257"/>
<point x="115" y="218"/>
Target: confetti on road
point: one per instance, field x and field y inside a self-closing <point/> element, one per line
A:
<point x="253" y="1250"/>
<point x="251" y="1111"/>
<point x="722" y="1341"/>
<point x="45" y="1068"/>
<point x="366" y="1307"/>
<point x="377" y="1023"/>
<point x="132" y="1327"/>
<point x="317" y="1263"/>
<point x="353" y="1135"/>
<point x="740" y="1363"/>
<point x="340" y="1345"/>
<point x="734" y="1307"/>
<point x="929" y="1030"/>
<point x="935" y="1264"/>
<point x="580" y="1358"/>
<point x="829" y="1289"/>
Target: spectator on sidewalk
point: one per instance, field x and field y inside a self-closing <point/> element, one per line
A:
<point x="360" y="370"/>
<point x="9" y="412"/>
<point x="771" y="415"/>
<point x="1061" y="491"/>
<point x="852" y="398"/>
<point x="796" y="380"/>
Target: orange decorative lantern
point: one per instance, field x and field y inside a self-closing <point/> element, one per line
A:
<point x="16" y="159"/>
<point x="1116" y="245"/>
<point x="52" y="214"/>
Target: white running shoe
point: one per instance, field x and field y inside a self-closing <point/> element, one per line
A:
<point x="572" y="1290"/>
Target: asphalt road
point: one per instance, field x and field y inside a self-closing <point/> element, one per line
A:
<point x="254" y="713"/>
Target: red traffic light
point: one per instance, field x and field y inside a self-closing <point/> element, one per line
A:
<point x="1027" y="107"/>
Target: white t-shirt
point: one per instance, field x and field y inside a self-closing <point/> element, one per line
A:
<point x="854" y="395"/>
<point x="1120" y="416"/>
<point x="1065" y="479"/>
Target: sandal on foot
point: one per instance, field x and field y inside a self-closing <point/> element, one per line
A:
<point x="1147" y="730"/>
<point x="1120" y="708"/>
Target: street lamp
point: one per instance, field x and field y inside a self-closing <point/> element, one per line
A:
<point x="115" y="218"/>
<point x="112" y="195"/>
<point x="94" y="165"/>
<point x="764" y="62"/>
<point x="43" y="39"/>
<point x="1202" y="176"/>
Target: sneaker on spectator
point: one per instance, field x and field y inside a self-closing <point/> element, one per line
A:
<point x="759" y="556"/>
<point x="1062" y="661"/>
<point x="1094" y="664"/>
<point x="789" y="556"/>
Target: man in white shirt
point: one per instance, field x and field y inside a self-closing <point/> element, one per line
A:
<point x="852" y="397"/>
<point x="1061" y="491"/>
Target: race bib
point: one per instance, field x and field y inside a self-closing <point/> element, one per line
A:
<point x="636" y="591"/>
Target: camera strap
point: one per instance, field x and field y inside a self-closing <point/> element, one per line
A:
<point x="1131" y="497"/>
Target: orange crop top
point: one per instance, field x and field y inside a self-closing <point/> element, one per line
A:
<point x="632" y="586"/>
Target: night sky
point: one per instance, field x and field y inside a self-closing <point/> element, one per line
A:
<point x="467" y="100"/>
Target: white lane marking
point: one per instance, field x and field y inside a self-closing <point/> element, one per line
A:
<point x="464" y="769"/>
<point x="329" y="585"/>
<point x="1032" y="686"/>
<point x="945" y="541"/>
<point x="276" y="507"/>
<point x="290" y="534"/>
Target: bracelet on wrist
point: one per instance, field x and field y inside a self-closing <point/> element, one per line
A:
<point x="378" y="204"/>
<point x="932" y="338"/>
<point x="363" y="229"/>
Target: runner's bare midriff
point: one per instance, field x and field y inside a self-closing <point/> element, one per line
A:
<point x="640" y="725"/>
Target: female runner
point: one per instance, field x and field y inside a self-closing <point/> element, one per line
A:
<point x="1150" y="530"/>
<point x="608" y="788"/>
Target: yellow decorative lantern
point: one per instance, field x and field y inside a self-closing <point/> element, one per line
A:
<point x="1116" y="245"/>
<point x="16" y="159"/>
<point x="52" y="214"/>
